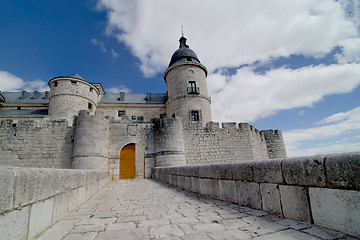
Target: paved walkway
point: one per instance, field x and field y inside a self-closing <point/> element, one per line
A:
<point x="146" y="209"/>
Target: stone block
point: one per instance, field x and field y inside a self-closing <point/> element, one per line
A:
<point x="215" y="171"/>
<point x="195" y="184"/>
<point x="270" y="198"/>
<point x="166" y="177"/>
<point x="193" y="171"/>
<point x="61" y="205"/>
<point x="57" y="179"/>
<point x="181" y="182"/>
<point x="336" y="209"/>
<point x="209" y="187"/>
<point x="14" y="225"/>
<point x="31" y="185"/>
<point x="74" y="197"/>
<point x="249" y="194"/>
<point x="227" y="191"/>
<point x="295" y="203"/>
<point x="7" y="182"/>
<point x="40" y="217"/>
<point x="214" y="188"/>
<point x="242" y="171"/>
<point x="174" y="180"/>
<point x="268" y="171"/>
<point x="207" y="171"/>
<point x="187" y="183"/>
<point x="343" y="170"/>
<point x="181" y="171"/>
<point x="305" y="171"/>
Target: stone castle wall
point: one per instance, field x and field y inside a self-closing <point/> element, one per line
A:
<point x="125" y="132"/>
<point x="36" y="143"/>
<point x="95" y="142"/>
<point x="147" y="113"/>
<point x="212" y="144"/>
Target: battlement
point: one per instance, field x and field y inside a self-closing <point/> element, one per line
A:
<point x="11" y="123"/>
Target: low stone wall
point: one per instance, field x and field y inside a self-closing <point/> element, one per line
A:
<point x="32" y="199"/>
<point x="323" y="190"/>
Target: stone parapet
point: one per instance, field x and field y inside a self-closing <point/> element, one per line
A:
<point x="323" y="190"/>
<point x="32" y="199"/>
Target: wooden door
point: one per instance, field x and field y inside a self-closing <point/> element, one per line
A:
<point x="127" y="162"/>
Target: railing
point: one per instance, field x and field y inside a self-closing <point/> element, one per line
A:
<point x="193" y="90"/>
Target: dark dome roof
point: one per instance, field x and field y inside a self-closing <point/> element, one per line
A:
<point x="183" y="54"/>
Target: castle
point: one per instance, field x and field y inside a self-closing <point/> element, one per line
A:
<point x="77" y="125"/>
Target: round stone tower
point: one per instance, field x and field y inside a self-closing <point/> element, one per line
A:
<point x="69" y="95"/>
<point x="187" y="94"/>
<point x="91" y="141"/>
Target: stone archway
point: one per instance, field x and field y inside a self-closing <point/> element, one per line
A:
<point x="132" y="162"/>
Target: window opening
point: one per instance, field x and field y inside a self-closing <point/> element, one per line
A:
<point x="73" y="83"/>
<point x="121" y="113"/>
<point x="195" y="116"/>
<point x="133" y="117"/>
<point x="90" y="106"/>
<point x="192" y="89"/>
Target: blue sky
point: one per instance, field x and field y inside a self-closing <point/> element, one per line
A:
<point x="278" y="64"/>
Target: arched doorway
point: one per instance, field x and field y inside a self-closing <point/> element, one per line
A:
<point x="132" y="162"/>
<point x="127" y="162"/>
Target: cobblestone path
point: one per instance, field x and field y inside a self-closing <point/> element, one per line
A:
<point x="146" y="209"/>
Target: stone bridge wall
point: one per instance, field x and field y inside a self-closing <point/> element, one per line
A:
<point x="32" y="199"/>
<point x="323" y="190"/>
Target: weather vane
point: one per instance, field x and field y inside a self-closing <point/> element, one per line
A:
<point x="182" y="31"/>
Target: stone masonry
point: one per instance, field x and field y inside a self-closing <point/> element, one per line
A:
<point x="146" y="209"/>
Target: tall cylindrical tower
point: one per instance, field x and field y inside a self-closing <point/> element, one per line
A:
<point x="169" y="142"/>
<point x="91" y="141"/>
<point x="186" y="86"/>
<point x="69" y="95"/>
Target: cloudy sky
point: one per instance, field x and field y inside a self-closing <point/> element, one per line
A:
<point x="279" y="64"/>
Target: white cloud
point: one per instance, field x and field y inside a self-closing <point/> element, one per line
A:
<point x="122" y="88"/>
<point x="249" y="96"/>
<point x="11" y="83"/>
<point x="227" y="33"/>
<point x="230" y="34"/>
<point x="335" y="126"/>
<point x="101" y="46"/>
<point x="350" y="50"/>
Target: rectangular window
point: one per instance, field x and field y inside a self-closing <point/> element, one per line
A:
<point x="192" y="89"/>
<point x="133" y="117"/>
<point x="195" y="116"/>
<point x="73" y="83"/>
<point x="90" y="107"/>
<point x="121" y="113"/>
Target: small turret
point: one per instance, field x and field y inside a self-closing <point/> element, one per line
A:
<point x="69" y="95"/>
<point x="274" y="143"/>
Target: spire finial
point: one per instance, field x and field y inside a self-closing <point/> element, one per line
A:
<point x="182" y="40"/>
